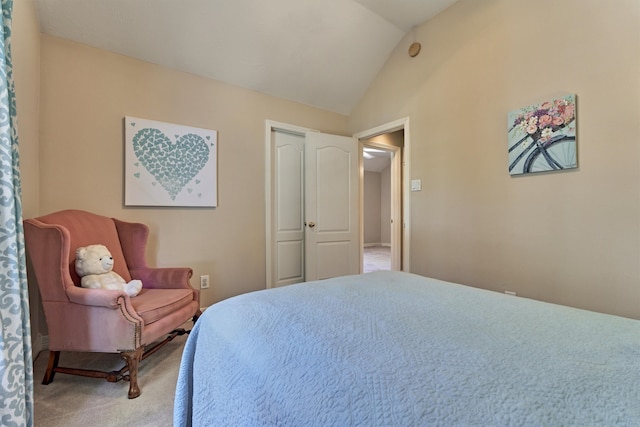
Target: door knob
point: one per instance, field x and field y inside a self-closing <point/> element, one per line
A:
<point x="312" y="224"/>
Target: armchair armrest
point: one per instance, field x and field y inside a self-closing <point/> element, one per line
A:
<point x="96" y="297"/>
<point x="133" y="238"/>
<point x="105" y="298"/>
<point x="94" y="320"/>
<point x="163" y="278"/>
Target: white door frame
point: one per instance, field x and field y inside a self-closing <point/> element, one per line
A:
<point x="395" y="191"/>
<point x="406" y="184"/>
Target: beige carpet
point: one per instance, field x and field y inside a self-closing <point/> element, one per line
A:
<point x="79" y="401"/>
<point x="376" y="258"/>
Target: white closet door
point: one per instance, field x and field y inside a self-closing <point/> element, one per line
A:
<point x="288" y="201"/>
<point x="331" y="206"/>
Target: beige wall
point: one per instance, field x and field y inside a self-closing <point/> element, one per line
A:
<point x="571" y="238"/>
<point x="377" y="207"/>
<point x="371" y="207"/>
<point x="86" y="92"/>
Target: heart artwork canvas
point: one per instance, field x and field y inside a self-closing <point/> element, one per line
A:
<point x="169" y="165"/>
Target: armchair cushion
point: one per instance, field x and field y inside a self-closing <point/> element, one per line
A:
<point x="155" y="304"/>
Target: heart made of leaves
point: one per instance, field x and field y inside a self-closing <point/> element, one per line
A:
<point x="173" y="165"/>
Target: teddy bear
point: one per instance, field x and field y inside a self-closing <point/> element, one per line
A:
<point x="94" y="264"/>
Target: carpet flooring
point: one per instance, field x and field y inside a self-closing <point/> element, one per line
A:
<point x="376" y="258"/>
<point x="71" y="401"/>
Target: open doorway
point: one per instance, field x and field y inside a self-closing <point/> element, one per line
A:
<point x="382" y="201"/>
<point x="376" y="214"/>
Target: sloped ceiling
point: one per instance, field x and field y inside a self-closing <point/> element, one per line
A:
<point x="323" y="53"/>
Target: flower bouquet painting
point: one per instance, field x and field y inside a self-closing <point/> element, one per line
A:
<point x="542" y="137"/>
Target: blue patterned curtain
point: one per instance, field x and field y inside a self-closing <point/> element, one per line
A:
<point x="16" y="367"/>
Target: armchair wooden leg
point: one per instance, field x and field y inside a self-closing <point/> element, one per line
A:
<point x="133" y="360"/>
<point x="54" y="358"/>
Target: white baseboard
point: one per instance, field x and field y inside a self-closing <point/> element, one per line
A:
<point x="369" y="245"/>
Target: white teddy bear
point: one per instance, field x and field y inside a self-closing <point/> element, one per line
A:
<point x="94" y="264"/>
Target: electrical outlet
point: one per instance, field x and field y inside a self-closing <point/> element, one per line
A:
<point x="204" y="282"/>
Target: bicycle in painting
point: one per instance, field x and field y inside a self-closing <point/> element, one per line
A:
<point x="542" y="137"/>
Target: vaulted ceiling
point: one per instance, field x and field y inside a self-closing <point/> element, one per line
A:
<point x="323" y="53"/>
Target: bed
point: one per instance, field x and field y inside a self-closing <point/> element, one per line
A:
<point x="398" y="349"/>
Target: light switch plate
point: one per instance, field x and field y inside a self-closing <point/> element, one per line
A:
<point x="416" y="184"/>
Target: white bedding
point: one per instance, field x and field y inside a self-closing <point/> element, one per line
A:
<point x="396" y="349"/>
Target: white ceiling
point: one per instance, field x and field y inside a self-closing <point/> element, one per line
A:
<point x="323" y="53"/>
<point x="376" y="161"/>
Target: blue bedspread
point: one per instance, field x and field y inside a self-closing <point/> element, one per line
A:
<point x="396" y="349"/>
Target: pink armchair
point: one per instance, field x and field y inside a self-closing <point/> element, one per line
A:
<point x="106" y="321"/>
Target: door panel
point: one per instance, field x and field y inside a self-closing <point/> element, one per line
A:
<point x="288" y="193"/>
<point x="333" y="258"/>
<point x="331" y="206"/>
<point x="333" y="168"/>
<point x="290" y="262"/>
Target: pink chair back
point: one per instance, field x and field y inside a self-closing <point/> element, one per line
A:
<point x="85" y="229"/>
